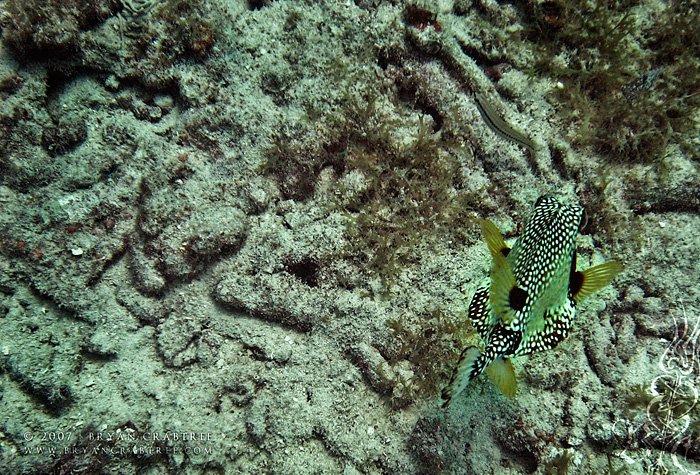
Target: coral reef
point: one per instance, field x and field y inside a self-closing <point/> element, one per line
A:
<point x="240" y="237"/>
<point x="41" y="29"/>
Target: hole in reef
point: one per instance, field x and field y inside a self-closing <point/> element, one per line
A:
<point x="305" y="268"/>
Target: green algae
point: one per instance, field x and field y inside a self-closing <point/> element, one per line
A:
<point x="628" y="90"/>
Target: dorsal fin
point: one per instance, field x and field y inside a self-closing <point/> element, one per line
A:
<point x="586" y="283"/>
<point x="503" y="376"/>
<point x="494" y="239"/>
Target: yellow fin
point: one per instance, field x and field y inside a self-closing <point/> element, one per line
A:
<point x="493" y="238"/>
<point x="502" y="374"/>
<point x="596" y="278"/>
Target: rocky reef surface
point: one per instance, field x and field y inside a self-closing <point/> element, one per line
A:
<point x="240" y="236"/>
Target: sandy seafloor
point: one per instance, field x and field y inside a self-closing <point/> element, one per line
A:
<point x="216" y="259"/>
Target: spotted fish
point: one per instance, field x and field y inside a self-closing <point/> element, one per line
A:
<point x="528" y="302"/>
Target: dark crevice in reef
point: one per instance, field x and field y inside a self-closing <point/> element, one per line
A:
<point x="305" y="268"/>
<point x="481" y="59"/>
<point x="664" y="200"/>
<point x="54" y="396"/>
<point x="258" y="4"/>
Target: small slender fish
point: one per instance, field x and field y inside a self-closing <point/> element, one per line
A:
<point x="528" y="302"/>
<point x="501" y="127"/>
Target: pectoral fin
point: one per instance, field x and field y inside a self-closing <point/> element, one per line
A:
<point x="505" y="295"/>
<point x="586" y="283"/>
<point x="494" y="239"/>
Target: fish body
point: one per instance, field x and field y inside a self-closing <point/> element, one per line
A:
<point x="528" y="302"/>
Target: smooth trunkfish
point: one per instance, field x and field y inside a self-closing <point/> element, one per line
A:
<point x="528" y="302"/>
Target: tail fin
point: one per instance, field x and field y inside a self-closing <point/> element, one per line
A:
<point x="471" y="364"/>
